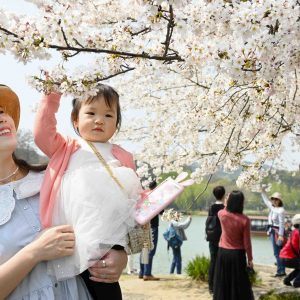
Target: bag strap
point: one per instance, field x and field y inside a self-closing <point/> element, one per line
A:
<point x="105" y="164"/>
<point x="146" y="237"/>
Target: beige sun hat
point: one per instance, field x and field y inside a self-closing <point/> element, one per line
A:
<point x="296" y="219"/>
<point x="9" y="101"/>
<point x="277" y="196"/>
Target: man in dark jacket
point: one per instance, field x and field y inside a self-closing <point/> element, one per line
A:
<point x="213" y="237"/>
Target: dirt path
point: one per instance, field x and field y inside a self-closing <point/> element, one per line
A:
<point x="181" y="287"/>
<point x="169" y="287"/>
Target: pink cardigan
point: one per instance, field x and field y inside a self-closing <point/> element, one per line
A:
<point x="59" y="149"/>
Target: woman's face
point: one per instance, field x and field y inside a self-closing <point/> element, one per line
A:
<point x="275" y="202"/>
<point x="8" y="135"/>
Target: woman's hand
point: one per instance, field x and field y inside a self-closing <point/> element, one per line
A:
<point x="52" y="243"/>
<point x="110" y="267"/>
<point x="250" y="264"/>
<point x="263" y="188"/>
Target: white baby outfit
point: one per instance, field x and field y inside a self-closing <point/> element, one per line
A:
<point x="100" y="212"/>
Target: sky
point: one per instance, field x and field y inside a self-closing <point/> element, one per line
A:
<point x="15" y="75"/>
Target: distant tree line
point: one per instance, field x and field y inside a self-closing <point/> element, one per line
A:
<point x="288" y="186"/>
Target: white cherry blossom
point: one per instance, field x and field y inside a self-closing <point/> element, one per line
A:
<point x="215" y="83"/>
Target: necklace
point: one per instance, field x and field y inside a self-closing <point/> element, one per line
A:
<point x="9" y="176"/>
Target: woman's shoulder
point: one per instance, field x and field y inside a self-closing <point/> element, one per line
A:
<point x="173" y="223"/>
<point x="245" y="217"/>
<point x="29" y="185"/>
<point x="225" y="212"/>
<point x="222" y="212"/>
<point x="279" y="210"/>
<point x="176" y="224"/>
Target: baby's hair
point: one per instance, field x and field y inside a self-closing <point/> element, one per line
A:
<point x="110" y="96"/>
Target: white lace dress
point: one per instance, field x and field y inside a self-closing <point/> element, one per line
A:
<point x="100" y="212"/>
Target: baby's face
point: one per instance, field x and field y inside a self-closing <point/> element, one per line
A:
<point x="97" y="122"/>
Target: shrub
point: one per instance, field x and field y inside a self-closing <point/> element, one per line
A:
<point x="254" y="278"/>
<point x="198" y="268"/>
<point x="271" y="295"/>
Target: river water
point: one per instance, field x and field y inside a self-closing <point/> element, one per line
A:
<point x="197" y="245"/>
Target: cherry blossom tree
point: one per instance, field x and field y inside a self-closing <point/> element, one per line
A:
<point x="213" y="83"/>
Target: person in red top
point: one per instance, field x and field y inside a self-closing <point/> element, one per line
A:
<point x="290" y="254"/>
<point x="231" y="281"/>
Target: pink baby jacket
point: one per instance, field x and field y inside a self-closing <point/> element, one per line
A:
<point x="59" y="150"/>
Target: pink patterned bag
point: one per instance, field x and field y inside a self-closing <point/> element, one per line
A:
<point x="159" y="198"/>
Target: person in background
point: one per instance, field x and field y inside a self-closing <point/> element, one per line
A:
<point x="290" y="254"/>
<point x="130" y="264"/>
<point x="213" y="239"/>
<point x="146" y="269"/>
<point x="231" y="280"/>
<point x="25" y="248"/>
<point x="276" y="226"/>
<point x="179" y="227"/>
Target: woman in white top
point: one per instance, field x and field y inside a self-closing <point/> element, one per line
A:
<point x="276" y="226"/>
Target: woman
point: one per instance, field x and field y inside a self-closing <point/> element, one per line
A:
<point x="290" y="254"/>
<point x="231" y="281"/>
<point x="179" y="228"/>
<point x="24" y="249"/>
<point x="276" y="227"/>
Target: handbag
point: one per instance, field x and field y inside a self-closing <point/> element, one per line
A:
<point x="160" y="197"/>
<point x="279" y="243"/>
<point x="140" y="240"/>
<point x="140" y="237"/>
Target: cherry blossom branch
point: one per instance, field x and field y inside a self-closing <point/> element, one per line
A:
<point x="248" y="145"/>
<point x="211" y="175"/>
<point x="144" y="55"/>
<point x="97" y="79"/>
<point x="7" y="32"/>
<point x="173" y="57"/>
<point x="191" y="80"/>
<point x="203" y="191"/>
<point x="170" y="27"/>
